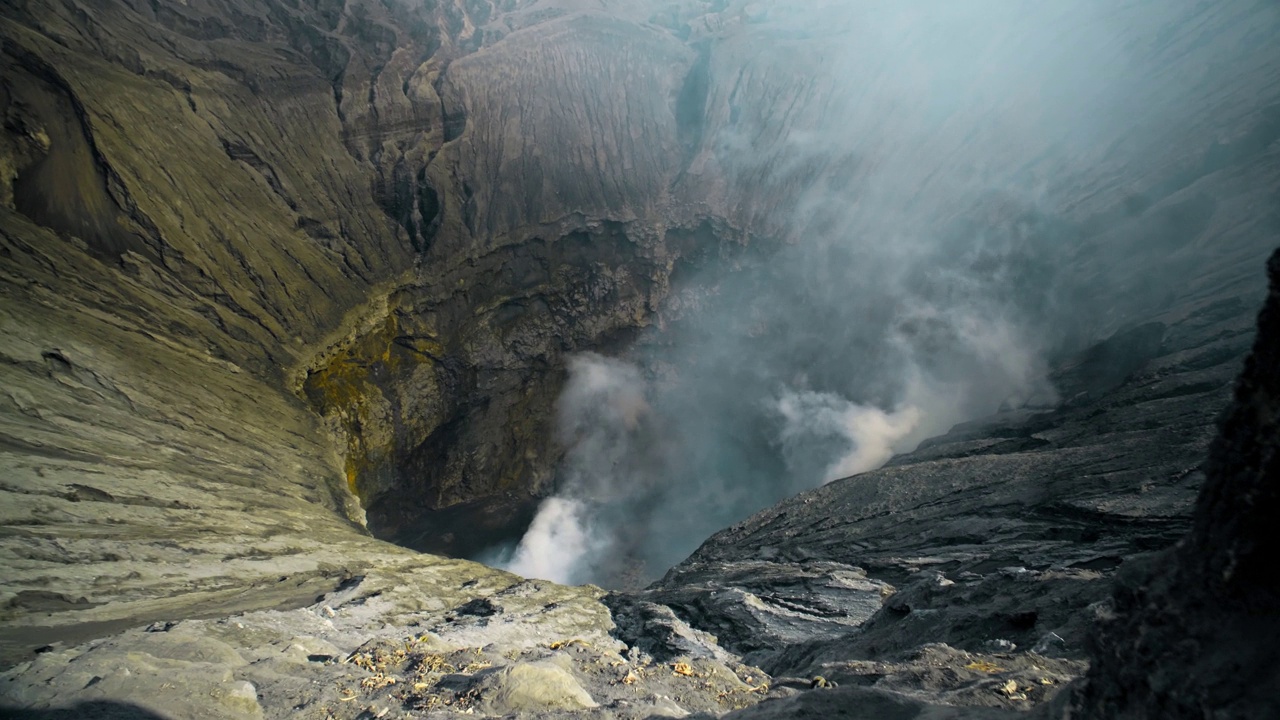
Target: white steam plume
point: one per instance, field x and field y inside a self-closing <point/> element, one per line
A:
<point x="555" y="544"/>
<point x="602" y="415"/>
<point x="932" y="197"/>
<point x="872" y="434"/>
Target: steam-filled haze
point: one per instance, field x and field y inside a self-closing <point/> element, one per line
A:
<point x="929" y="187"/>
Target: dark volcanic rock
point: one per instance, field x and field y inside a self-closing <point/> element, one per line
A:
<point x="1021" y="515"/>
<point x="1001" y="538"/>
<point x="866" y="703"/>
<point x="1017" y="576"/>
<point x="757" y="607"/>
<point x="1007" y="551"/>
<point x="654" y="630"/>
<point x="1195" y="630"/>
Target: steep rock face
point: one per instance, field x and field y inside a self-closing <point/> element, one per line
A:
<point x="161" y="269"/>
<point x="211" y="205"/>
<point x="448" y="400"/>
<point x="549" y="233"/>
<point x="1193" y="630"/>
<point x="212" y="211"/>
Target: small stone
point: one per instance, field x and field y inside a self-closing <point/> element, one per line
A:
<point x="1050" y="641"/>
<point x="529" y="687"/>
<point x="1000" y="645"/>
<point x="479" y="607"/>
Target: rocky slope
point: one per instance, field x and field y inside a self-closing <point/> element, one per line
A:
<point x="276" y="274"/>
<point x="999" y="539"/>
<point x="1184" y="632"/>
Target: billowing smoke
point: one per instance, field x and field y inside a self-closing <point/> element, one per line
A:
<point x="929" y="186"/>
<point x="871" y="434"/>
<point x="556" y="544"/>
<point x="605" y="423"/>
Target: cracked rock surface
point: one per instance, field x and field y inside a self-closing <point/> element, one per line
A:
<point x="416" y="635"/>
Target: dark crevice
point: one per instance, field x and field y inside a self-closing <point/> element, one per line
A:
<point x="691" y="104"/>
<point x="484" y="454"/>
<point x="68" y="186"/>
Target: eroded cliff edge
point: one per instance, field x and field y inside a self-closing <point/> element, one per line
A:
<point x="219" y="221"/>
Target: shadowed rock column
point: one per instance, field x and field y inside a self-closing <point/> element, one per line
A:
<point x="1196" y="630"/>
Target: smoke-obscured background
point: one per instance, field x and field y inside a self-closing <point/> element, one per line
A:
<point x="934" y="267"/>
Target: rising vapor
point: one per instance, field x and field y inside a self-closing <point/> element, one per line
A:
<point x="603" y="420"/>
<point x="926" y="275"/>
<point x="872" y="435"/>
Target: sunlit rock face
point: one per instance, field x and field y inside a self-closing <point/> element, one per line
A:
<point x="278" y="274"/>
<point x="321" y="199"/>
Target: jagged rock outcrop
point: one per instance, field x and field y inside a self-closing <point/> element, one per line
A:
<point x="1195" y="630"/>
